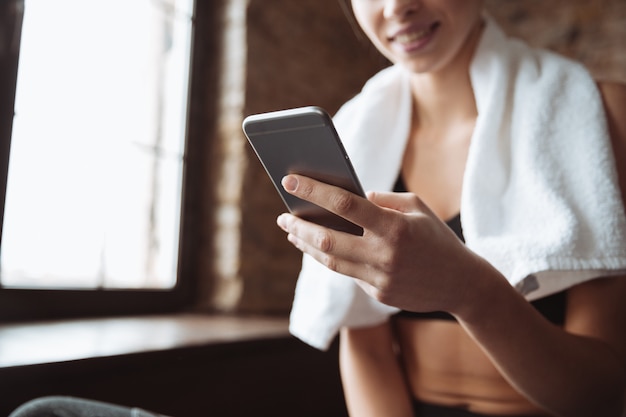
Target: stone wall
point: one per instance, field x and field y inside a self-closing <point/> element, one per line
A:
<point x="305" y="52"/>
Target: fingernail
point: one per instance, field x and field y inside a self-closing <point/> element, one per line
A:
<point x="282" y="222"/>
<point x="289" y="183"/>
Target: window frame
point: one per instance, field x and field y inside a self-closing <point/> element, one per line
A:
<point x="37" y="304"/>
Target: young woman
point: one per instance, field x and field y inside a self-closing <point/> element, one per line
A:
<point x="526" y="318"/>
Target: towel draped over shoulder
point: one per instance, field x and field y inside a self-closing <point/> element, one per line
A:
<point x="540" y="197"/>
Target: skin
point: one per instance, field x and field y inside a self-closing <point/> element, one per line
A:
<point x="490" y="360"/>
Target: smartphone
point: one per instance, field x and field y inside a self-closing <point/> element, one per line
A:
<point x="304" y="141"/>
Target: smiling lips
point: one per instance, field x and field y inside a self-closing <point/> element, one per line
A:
<point x="414" y="39"/>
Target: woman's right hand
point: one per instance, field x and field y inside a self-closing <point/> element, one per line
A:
<point x="403" y="258"/>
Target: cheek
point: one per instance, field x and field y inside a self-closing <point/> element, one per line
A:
<point x="367" y="14"/>
<point x="363" y="18"/>
<point x="466" y="17"/>
<point x="461" y="12"/>
<point x="367" y="19"/>
<point x="460" y="4"/>
<point x="470" y="11"/>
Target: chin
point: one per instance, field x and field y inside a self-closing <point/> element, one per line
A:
<point x="417" y="68"/>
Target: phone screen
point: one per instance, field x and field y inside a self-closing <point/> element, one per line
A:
<point x="304" y="141"/>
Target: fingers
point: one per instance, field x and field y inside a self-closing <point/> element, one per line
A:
<point x="350" y="206"/>
<point x="339" y="252"/>
<point x="384" y="219"/>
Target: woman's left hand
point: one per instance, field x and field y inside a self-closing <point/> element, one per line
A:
<point x="406" y="257"/>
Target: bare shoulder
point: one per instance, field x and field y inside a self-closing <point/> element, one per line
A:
<point x="614" y="99"/>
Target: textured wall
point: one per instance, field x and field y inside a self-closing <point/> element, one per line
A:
<point x="590" y="31"/>
<point x="300" y="53"/>
<point x="305" y="52"/>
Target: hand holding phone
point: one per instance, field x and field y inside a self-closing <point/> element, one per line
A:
<point x="304" y="141"/>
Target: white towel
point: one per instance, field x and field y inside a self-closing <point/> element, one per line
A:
<point x="540" y="199"/>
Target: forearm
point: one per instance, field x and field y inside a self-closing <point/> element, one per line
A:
<point x="372" y="379"/>
<point x="566" y="374"/>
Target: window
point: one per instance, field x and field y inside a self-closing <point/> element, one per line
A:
<point x="95" y="177"/>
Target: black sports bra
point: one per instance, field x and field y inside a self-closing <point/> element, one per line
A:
<point x="551" y="307"/>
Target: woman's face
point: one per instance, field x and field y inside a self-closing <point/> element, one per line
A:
<point x="422" y="35"/>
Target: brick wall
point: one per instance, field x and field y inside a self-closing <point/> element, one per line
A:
<point x="590" y="31"/>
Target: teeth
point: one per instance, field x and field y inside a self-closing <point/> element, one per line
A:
<point x="412" y="37"/>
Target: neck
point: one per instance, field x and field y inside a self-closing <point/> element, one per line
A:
<point x="446" y="95"/>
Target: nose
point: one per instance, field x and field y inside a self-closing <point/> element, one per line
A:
<point x="400" y="8"/>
